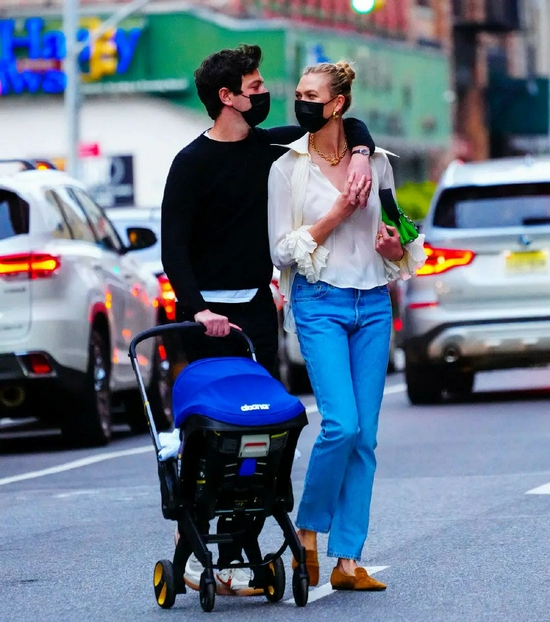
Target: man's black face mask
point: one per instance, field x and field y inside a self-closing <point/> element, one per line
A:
<point x="261" y="103"/>
<point x="310" y="114"/>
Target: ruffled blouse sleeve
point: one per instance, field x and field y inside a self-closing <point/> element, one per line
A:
<point x="310" y="258"/>
<point x="413" y="259"/>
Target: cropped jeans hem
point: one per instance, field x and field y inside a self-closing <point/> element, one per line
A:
<point x="310" y="528"/>
<point x="355" y="558"/>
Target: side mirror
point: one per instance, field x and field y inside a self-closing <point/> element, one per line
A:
<point x="140" y="238"/>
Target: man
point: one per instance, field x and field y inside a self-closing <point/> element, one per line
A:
<point x="215" y="248"/>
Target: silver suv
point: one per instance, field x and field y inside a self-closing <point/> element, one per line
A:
<point x="482" y="301"/>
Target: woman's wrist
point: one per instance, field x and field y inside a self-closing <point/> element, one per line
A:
<point x="332" y="219"/>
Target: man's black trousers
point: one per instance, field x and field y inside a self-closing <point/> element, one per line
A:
<point x="258" y="319"/>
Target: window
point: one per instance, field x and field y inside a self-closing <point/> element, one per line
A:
<point x="14" y="215"/>
<point x="104" y="231"/>
<point x="55" y="219"/>
<point x="74" y="216"/>
<point x="513" y="205"/>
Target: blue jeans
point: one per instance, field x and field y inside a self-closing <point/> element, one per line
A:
<point x="344" y="337"/>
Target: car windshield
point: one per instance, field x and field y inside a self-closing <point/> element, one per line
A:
<point x="14" y="215"/>
<point x="508" y="205"/>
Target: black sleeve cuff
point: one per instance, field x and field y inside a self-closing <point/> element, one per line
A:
<point x="357" y="133"/>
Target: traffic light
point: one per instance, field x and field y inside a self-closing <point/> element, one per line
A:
<point x="367" y="6"/>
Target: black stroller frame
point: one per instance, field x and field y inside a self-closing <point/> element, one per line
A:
<point x="180" y="491"/>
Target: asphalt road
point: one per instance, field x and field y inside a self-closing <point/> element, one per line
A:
<point x="453" y="532"/>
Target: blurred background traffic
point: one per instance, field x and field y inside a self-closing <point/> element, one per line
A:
<point x="437" y="80"/>
<point x="104" y="91"/>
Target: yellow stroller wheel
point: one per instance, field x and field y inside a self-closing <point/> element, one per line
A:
<point x="165" y="584"/>
<point x="275" y="578"/>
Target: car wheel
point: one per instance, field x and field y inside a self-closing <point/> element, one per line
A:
<point x="424" y="384"/>
<point x="391" y="358"/>
<point x="159" y="393"/>
<point x="460" y="384"/>
<point x="92" y="427"/>
<point x="298" y="379"/>
<point x="293" y="376"/>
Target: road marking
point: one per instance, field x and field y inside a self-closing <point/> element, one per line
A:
<point x="326" y="589"/>
<point x="76" y="493"/>
<point x="397" y="388"/>
<point x="540" y="490"/>
<point x="6" y="422"/>
<point x="76" y="464"/>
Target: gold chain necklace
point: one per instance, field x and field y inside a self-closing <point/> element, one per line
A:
<point x="332" y="160"/>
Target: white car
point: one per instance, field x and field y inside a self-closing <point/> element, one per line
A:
<point x="72" y="297"/>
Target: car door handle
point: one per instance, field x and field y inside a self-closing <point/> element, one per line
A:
<point x="96" y="266"/>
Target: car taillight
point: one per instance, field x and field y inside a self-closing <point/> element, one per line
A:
<point x="28" y="266"/>
<point x="37" y="364"/>
<point x="444" y="259"/>
<point x="397" y="324"/>
<point x="168" y="297"/>
<point x="276" y="293"/>
<point x="423" y="305"/>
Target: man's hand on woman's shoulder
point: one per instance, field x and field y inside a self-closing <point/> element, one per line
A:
<point x="360" y="166"/>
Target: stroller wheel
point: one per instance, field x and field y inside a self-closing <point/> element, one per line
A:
<point x="275" y="579"/>
<point x="207" y="591"/>
<point x="300" y="585"/>
<point x="165" y="584"/>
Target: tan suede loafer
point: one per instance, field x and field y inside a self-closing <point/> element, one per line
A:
<point x="361" y="581"/>
<point x="312" y="566"/>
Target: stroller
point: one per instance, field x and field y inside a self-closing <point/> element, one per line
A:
<point x="238" y="430"/>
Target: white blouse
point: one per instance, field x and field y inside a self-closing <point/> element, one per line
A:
<point x="348" y="257"/>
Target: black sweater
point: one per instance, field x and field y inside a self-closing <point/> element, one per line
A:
<point x="214" y="212"/>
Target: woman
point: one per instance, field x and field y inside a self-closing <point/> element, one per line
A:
<point x="336" y="260"/>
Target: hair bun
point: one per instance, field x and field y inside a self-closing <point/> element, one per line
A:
<point x="347" y="69"/>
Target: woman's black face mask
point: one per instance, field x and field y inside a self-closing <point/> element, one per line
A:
<point x="261" y="103"/>
<point x="310" y="114"/>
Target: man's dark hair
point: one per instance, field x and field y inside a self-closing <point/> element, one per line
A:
<point x="225" y="69"/>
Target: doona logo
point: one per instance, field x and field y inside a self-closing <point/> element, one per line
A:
<point x="246" y="407"/>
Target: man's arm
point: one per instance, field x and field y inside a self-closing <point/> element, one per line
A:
<point x="178" y="208"/>
<point x="357" y="134"/>
<point x="360" y="143"/>
<point x="281" y="135"/>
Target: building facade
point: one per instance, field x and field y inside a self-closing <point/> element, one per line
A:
<point x="137" y="92"/>
<point x="501" y="76"/>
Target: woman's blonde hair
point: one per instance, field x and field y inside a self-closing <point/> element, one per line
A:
<point x="340" y="76"/>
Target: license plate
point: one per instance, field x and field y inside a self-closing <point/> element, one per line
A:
<point x="527" y="261"/>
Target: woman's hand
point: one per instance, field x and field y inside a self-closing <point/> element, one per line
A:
<point x="387" y="243"/>
<point x="348" y="200"/>
<point x="344" y="206"/>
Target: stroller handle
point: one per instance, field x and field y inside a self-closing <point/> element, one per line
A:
<point x="155" y="332"/>
<point x="182" y="326"/>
